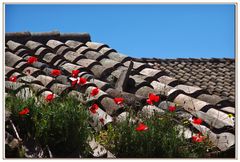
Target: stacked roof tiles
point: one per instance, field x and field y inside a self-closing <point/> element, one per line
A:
<point x="103" y="67"/>
<point x="216" y="75"/>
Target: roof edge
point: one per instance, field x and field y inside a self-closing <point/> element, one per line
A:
<point x="43" y="37"/>
<point x="218" y="60"/>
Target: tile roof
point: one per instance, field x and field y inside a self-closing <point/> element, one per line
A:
<point x="201" y="87"/>
<point x="217" y="75"/>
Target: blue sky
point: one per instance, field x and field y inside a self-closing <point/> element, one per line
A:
<point x="161" y="31"/>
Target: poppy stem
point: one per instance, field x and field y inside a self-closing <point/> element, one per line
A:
<point x="15" y="131"/>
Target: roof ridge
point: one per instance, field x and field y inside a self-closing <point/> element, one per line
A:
<point x="185" y="59"/>
<point x="43" y="37"/>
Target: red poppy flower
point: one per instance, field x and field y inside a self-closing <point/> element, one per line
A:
<point x="198" y="138"/>
<point x="49" y="97"/>
<point x="153" y="97"/>
<point x="94" y="108"/>
<point x="101" y="120"/>
<point x="94" y="91"/>
<point x="82" y="81"/>
<point x="197" y="121"/>
<point x="32" y="59"/>
<point x="13" y="79"/>
<point x="171" y="108"/>
<point x="149" y="101"/>
<point x="118" y="100"/>
<point x="56" y="72"/>
<point x="75" y="73"/>
<point x="24" y="111"/>
<point x="141" y="127"/>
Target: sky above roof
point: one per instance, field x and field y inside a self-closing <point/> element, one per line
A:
<point x="161" y="31"/>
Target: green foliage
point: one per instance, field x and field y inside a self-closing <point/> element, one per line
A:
<point x="61" y="124"/>
<point x="161" y="140"/>
<point x="24" y="123"/>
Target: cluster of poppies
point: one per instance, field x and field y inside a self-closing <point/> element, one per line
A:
<point x="152" y="98"/>
<point x="199" y="137"/>
<point x="95" y="107"/>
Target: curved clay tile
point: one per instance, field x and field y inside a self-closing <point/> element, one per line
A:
<point x="54" y="44"/>
<point x="100" y="72"/>
<point x="60" y="89"/>
<point x="9" y="71"/>
<point x="161" y="88"/>
<point x="106" y="50"/>
<point x="96" y="46"/>
<point x="14" y="46"/>
<point x="69" y="67"/>
<point x="32" y="71"/>
<point x="14" y="86"/>
<point x="118" y="57"/>
<point x="73" y="56"/>
<point x="109" y="63"/>
<point x="167" y="80"/>
<point x="50" y="58"/>
<point x="12" y="59"/>
<point x="83" y="50"/>
<point x="94" y="55"/>
<point x="23" y="52"/>
<point x="74" y="44"/>
<point x="229" y="109"/>
<point x="38" y="89"/>
<point x="29" y="79"/>
<point x="215" y="118"/>
<point x="62" y="50"/>
<point x="47" y="81"/>
<point x="110" y="106"/>
<point x="100" y="84"/>
<point x="88" y="63"/>
<point x="152" y="72"/>
<point x="144" y="91"/>
<point x="139" y="82"/>
<point x="190" y="104"/>
<point x="212" y="99"/>
<point x="42" y="51"/>
<point x="21" y="65"/>
<point x="33" y="45"/>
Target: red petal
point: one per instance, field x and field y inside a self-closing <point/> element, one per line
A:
<point x="50" y="97"/>
<point x="118" y="100"/>
<point x="151" y="96"/>
<point x="94" y="108"/>
<point x="56" y="72"/>
<point x="149" y="102"/>
<point x="156" y="98"/>
<point x="82" y="81"/>
<point x="13" y="79"/>
<point x="75" y="73"/>
<point x="24" y="111"/>
<point x="94" y="91"/>
<point x="172" y="108"/>
<point x="142" y="127"/>
<point x="31" y="59"/>
<point x="197" y="121"/>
